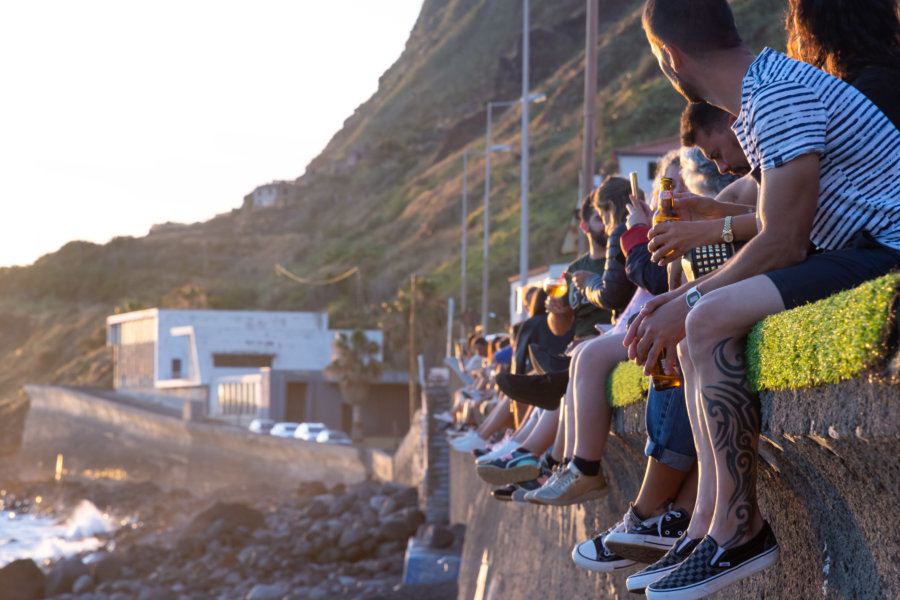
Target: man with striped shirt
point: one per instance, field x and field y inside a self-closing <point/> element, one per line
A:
<point x="829" y="164"/>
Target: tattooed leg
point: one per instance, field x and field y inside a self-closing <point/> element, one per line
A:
<point x="733" y="418"/>
<point x="716" y="331"/>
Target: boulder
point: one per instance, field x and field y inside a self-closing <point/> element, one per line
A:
<point x="266" y="592"/>
<point x="413" y="517"/>
<point x="354" y="536"/>
<point x="103" y="566"/>
<point x="64" y="574"/>
<point x="394" y="530"/>
<point x="435" y="536"/>
<point x="232" y="515"/>
<point x="83" y="585"/>
<point x="22" y="580"/>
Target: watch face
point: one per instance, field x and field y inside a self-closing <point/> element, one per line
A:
<point x="693" y="297"/>
<point x="728" y="237"/>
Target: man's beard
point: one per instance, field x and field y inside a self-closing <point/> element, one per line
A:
<point x="599" y="237"/>
<point x="681" y="86"/>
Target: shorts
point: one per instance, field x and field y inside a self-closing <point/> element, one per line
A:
<point x="669" y="437"/>
<point x="827" y="273"/>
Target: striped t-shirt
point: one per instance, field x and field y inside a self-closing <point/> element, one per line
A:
<point x="790" y="108"/>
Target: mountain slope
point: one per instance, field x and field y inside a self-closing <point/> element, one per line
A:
<point x="384" y="195"/>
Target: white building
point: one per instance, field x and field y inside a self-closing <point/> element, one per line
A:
<point x="240" y="364"/>
<point x="643" y="158"/>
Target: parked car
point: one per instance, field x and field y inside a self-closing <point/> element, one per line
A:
<point x="332" y="436"/>
<point x="284" y="429"/>
<point x="309" y="431"/>
<point x="261" y="425"/>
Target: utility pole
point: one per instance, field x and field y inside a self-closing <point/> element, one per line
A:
<point x="590" y="102"/>
<point x="412" y="348"/>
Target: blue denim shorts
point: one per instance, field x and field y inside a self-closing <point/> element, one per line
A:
<point x="669" y="438"/>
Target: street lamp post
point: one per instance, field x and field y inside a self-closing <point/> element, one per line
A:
<point x="465" y="218"/>
<point x="523" y="210"/>
<point x="485" y="273"/>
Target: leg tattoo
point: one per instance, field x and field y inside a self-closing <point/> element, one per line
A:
<point x="734" y="414"/>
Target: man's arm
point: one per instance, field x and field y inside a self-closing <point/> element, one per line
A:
<point x="786" y="210"/>
<point x="560" y="315"/>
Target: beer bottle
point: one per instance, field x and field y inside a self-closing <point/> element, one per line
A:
<point x="658" y="378"/>
<point x="665" y="211"/>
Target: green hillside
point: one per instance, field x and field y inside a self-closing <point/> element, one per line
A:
<point x="393" y="212"/>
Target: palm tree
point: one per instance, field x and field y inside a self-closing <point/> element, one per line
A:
<point x="355" y="366"/>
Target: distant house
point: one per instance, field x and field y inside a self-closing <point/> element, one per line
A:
<point x="643" y="158"/>
<point x="270" y="195"/>
<point x="245" y="364"/>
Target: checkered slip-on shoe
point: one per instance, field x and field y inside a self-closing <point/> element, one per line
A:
<point x="648" y="540"/>
<point x="679" y="551"/>
<point x="710" y="567"/>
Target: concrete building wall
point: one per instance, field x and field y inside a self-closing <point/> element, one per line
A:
<point x="645" y="167"/>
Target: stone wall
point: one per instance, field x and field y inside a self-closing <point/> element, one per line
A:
<point x="100" y="436"/>
<point x="829" y="484"/>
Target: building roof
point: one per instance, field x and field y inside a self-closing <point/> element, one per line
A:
<point x="654" y="148"/>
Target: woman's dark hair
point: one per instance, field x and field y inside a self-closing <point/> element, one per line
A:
<point x="612" y="197"/>
<point x="843" y="37"/>
<point x="538" y="305"/>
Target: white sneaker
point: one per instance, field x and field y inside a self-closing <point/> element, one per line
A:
<point x="500" y="449"/>
<point x="443" y="416"/>
<point x="470" y="441"/>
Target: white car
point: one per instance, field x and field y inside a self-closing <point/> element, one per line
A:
<point x="333" y="436"/>
<point x="261" y="425"/>
<point x="284" y="429"/>
<point x="309" y="431"/>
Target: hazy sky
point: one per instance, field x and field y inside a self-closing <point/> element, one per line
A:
<point x="118" y="114"/>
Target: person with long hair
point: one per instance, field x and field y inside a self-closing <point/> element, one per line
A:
<point x="854" y="40"/>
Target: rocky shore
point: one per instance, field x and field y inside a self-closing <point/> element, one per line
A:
<point x="243" y="544"/>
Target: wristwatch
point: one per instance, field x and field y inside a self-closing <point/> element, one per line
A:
<point x="727" y="234"/>
<point x="693" y="297"/>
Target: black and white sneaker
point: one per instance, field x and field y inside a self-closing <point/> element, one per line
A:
<point x="710" y="567"/>
<point x="595" y="556"/>
<point x="679" y="551"/>
<point x="648" y="540"/>
<point x="505" y="493"/>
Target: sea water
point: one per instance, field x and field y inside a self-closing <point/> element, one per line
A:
<point x="24" y="535"/>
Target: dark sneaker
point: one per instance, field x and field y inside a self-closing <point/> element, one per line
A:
<point x="710" y="567"/>
<point x="504" y="493"/>
<point x="512" y="468"/>
<point x="524" y="487"/>
<point x="648" y="540"/>
<point x="595" y="556"/>
<point x="680" y="550"/>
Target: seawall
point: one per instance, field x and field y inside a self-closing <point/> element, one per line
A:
<point x="829" y="483"/>
<point x="98" y="436"/>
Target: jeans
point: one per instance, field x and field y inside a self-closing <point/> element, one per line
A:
<point x="669" y="438"/>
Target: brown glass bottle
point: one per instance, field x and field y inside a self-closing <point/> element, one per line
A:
<point x="658" y="378"/>
<point x="664" y="212"/>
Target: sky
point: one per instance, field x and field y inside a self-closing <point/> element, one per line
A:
<point x="119" y="114"/>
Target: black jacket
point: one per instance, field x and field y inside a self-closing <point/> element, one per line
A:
<point x="613" y="289"/>
<point x="645" y="273"/>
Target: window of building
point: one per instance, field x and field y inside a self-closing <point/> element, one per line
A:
<point x="176" y="368"/>
<point x="255" y="361"/>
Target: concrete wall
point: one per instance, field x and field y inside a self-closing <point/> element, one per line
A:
<point x="829" y="484"/>
<point x="99" y="435"/>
